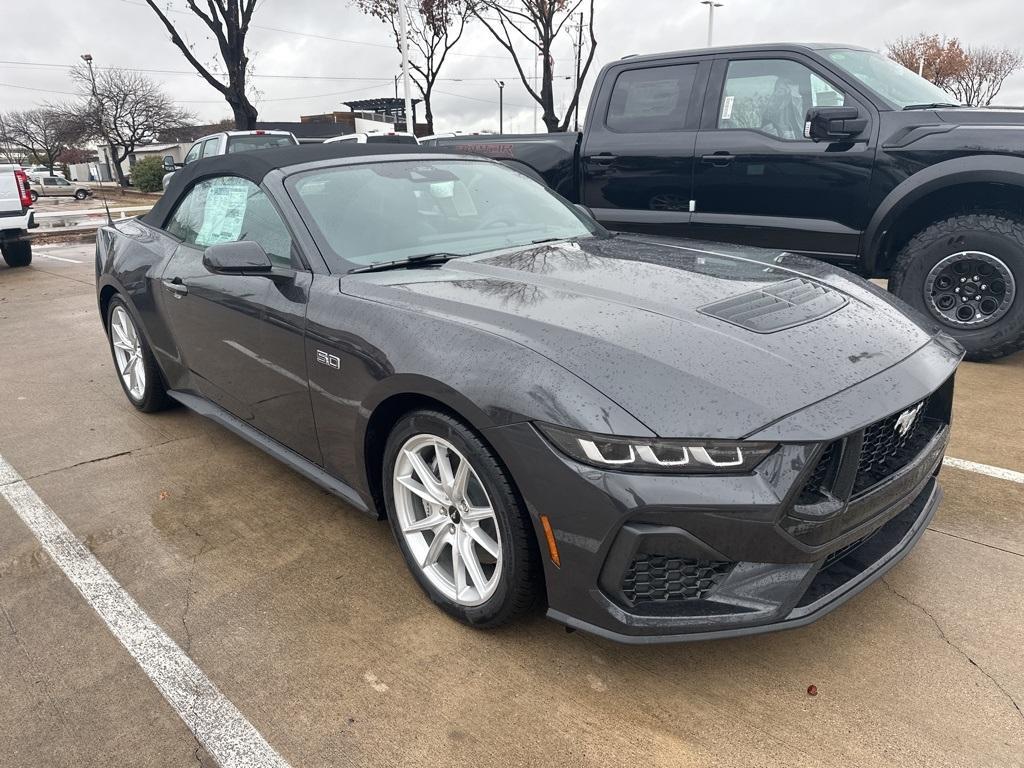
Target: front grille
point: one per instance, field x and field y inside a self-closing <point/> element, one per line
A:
<point x="886" y="449"/>
<point x="842" y="552"/>
<point x="652" y="578"/>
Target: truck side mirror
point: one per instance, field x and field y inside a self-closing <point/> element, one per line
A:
<point x="834" y="124"/>
<point x="168" y="162"/>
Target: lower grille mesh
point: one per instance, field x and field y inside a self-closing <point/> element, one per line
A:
<point x="651" y="578"/>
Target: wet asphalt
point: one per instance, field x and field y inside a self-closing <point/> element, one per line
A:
<point x="301" y="611"/>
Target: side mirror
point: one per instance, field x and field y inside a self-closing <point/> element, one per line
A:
<point x="169" y="162"/>
<point x="834" y="124"/>
<point x="242" y="257"/>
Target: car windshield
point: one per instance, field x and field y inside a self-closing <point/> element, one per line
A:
<point x="893" y="82"/>
<point x="388" y="211"/>
<point x="258" y="141"/>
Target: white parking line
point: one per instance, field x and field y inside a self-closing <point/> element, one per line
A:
<point x="60" y="258"/>
<point x="223" y="731"/>
<point x="985" y="469"/>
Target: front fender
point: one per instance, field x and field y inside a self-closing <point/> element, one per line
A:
<point x="984" y="169"/>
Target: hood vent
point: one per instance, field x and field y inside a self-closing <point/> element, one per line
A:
<point x="778" y="306"/>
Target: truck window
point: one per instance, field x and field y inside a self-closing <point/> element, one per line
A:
<point x="210" y="147"/>
<point x="258" y="141"/>
<point x="651" y="100"/>
<point x="193" y="154"/>
<point x="773" y="96"/>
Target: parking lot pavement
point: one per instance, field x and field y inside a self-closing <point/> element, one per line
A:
<point x="301" y="612"/>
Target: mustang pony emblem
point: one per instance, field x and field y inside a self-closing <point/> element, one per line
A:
<point x="906" y="420"/>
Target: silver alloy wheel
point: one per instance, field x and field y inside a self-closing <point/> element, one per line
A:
<point x="128" y="352"/>
<point x="447" y="520"/>
<point x="970" y="289"/>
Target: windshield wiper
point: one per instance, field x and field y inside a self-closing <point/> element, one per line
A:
<point x="423" y="260"/>
<point x="936" y="105"/>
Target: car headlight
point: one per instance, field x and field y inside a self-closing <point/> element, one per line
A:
<point x="666" y="456"/>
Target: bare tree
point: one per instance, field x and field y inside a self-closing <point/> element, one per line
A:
<point x="538" y="23"/>
<point x="42" y="134"/>
<point x="434" y="29"/>
<point x="986" y="71"/>
<point x="940" y="60"/>
<point x="123" y="109"/>
<point x="229" y="21"/>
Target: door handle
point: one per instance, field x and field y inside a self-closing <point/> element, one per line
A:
<point x="718" y="158"/>
<point x="603" y="159"/>
<point x="176" y="287"/>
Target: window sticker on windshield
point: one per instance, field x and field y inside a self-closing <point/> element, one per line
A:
<point x="223" y="212"/>
<point x="727" y="107"/>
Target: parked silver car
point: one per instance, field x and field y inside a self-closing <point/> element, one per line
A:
<point x="52" y="186"/>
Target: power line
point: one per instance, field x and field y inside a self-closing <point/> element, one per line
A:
<point x="330" y="38"/>
<point x="346" y="78"/>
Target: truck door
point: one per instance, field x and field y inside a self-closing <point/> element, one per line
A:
<point x="758" y="181"/>
<point x="639" y="146"/>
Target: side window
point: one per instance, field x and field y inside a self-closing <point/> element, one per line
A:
<point x="651" y="100"/>
<point x="210" y="147"/>
<point x="227" y="209"/>
<point x="193" y="154"/>
<point x="773" y="96"/>
<point x="49" y="181"/>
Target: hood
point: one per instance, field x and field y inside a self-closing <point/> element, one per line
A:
<point x="693" y="340"/>
<point x="981" y="116"/>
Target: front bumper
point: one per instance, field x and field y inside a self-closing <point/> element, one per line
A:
<point x="649" y="559"/>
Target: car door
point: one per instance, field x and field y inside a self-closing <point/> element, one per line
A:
<point x="241" y="336"/>
<point x="757" y="180"/>
<point x="48" y="186"/>
<point x="638" y="151"/>
<point x="63" y="187"/>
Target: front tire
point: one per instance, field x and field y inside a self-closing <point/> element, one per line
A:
<point x="458" y="521"/>
<point x="136" y="367"/>
<point x="17" y="253"/>
<point x="81" y="194"/>
<point x="967" y="273"/>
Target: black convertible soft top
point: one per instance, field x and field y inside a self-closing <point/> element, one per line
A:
<point x="258" y="163"/>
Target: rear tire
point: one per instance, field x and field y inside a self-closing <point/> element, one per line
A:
<point x="136" y="368"/>
<point x="17" y="253"/>
<point x="500" y="567"/>
<point x="33" y="195"/>
<point x="979" y="257"/>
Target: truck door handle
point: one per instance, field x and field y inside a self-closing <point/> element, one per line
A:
<point x="603" y="159"/>
<point x="176" y="287"/>
<point x="718" y="158"/>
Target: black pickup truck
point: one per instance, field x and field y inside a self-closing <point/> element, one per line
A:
<point x="831" y="151"/>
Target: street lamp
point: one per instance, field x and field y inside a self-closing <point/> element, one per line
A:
<point x="501" y="105"/>
<point x="711" y="4"/>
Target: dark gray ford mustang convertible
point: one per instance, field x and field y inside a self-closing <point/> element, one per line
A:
<point x="667" y="441"/>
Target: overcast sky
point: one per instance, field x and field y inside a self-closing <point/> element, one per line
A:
<point x="297" y="74"/>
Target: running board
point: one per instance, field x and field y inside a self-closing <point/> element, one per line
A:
<point x="303" y="466"/>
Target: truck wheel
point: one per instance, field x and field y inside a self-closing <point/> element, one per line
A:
<point x="967" y="272"/>
<point x="81" y="194"/>
<point x="17" y="253"/>
<point x="33" y="195"/>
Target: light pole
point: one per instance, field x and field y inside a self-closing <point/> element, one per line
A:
<point x="711" y="4"/>
<point x="501" y="105"/>
<point x="87" y="58"/>
<point x="404" y="30"/>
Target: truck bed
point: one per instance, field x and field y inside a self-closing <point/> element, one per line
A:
<point x="551" y="156"/>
